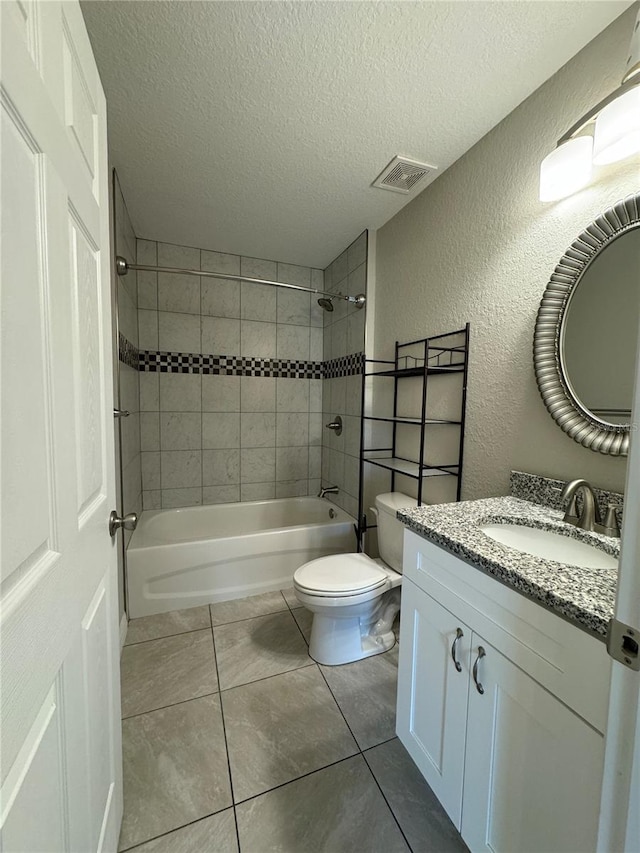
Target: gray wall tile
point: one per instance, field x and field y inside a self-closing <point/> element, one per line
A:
<point x="258" y="465"/>
<point x="294" y="307"/>
<point x="220" y="262"/>
<point x="181" y="468"/>
<point x="258" y="302"/>
<point x="220" y="494"/>
<point x="292" y="463"/>
<point x="172" y="498"/>
<point x="258" y="339"/>
<point x="178" y="332"/>
<point x="149" y="392"/>
<point x="180" y="392"/>
<point x="150" y="461"/>
<point x="149" y="431"/>
<point x="220" y="393"/>
<point x="147" y="329"/>
<point x="147" y="252"/>
<point x="220" y="467"/>
<point x="257" y="491"/>
<point x="257" y="394"/>
<point x="292" y="395"/>
<point x="258" y="429"/>
<point x="292" y="429"/>
<point x="180" y="431"/>
<point x="147" y="290"/>
<point x="178" y="293"/>
<point x="220" y="335"/>
<point x="220" y="430"/>
<point x="220" y="298"/>
<point x="293" y="342"/>
<point x="184" y="257"/>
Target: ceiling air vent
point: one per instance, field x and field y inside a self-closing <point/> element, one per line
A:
<point x="402" y="175"/>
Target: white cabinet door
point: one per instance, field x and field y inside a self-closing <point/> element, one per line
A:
<point x="533" y="768"/>
<point x="432" y="694"/>
<point x="60" y="727"/>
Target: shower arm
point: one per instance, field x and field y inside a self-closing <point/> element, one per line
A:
<point x="123" y="266"/>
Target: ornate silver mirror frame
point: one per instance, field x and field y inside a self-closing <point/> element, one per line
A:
<point x="556" y="390"/>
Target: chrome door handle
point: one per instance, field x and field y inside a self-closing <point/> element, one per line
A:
<point x="481" y="654"/>
<point x="121" y="413"/>
<point x="456" y="662"/>
<point x="128" y="522"/>
<point x="335" y="425"/>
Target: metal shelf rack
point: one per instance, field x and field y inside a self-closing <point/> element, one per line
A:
<point x="439" y="355"/>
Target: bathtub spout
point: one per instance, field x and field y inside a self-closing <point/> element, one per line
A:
<point x="329" y="490"/>
<point x="385" y="622"/>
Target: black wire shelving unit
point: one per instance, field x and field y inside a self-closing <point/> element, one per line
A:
<point x="439" y="355"/>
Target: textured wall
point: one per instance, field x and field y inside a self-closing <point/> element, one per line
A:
<point x="477" y="245"/>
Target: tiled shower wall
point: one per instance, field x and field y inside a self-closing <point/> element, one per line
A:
<point x="344" y="330"/>
<point x="213" y="437"/>
<point x="128" y="373"/>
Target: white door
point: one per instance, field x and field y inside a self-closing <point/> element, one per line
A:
<point x="533" y="768"/>
<point x="60" y="731"/>
<point x="432" y="693"/>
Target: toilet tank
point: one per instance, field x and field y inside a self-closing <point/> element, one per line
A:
<point x="390" y="530"/>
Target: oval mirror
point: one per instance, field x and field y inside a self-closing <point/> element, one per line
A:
<point x="587" y="328"/>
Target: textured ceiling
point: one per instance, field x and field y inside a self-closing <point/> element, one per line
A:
<point x="257" y="128"/>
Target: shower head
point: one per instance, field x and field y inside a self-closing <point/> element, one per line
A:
<point x="327" y="304"/>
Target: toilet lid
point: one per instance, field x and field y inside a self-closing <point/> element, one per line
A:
<point x="340" y="574"/>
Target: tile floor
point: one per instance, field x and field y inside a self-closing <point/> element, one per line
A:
<point x="235" y="739"/>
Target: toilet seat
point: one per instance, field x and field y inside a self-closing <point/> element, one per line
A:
<point x="340" y="576"/>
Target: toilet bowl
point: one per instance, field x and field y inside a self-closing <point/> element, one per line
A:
<point x="354" y="598"/>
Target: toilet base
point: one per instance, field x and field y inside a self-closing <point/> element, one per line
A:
<point x="338" y="639"/>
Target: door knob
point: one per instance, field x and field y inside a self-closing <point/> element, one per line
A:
<point x="128" y="522"/>
<point x="335" y="425"/>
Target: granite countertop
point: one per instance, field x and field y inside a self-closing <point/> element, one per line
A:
<point x="583" y="596"/>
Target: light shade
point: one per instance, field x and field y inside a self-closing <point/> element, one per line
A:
<point x="567" y="169"/>
<point x="617" y="133"/>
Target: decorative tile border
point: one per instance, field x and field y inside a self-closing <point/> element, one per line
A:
<point x="148" y="361"/>
<point x="230" y="365"/>
<point x="546" y="492"/>
<point x="346" y="365"/>
<point x="127" y="352"/>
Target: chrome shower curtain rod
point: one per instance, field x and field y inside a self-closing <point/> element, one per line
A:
<point x="123" y="266"/>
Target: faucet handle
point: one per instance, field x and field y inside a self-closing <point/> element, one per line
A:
<point x="571" y="515"/>
<point x="611" y="526"/>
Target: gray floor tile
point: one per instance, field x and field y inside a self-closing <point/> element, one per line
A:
<point x="280" y="728"/>
<point x="215" y="834"/>
<point x="257" y="648"/>
<point x="424" y="822"/>
<point x="167" y="624"/>
<point x="175" y="769"/>
<point x="247" y="608"/>
<point x="163" y="672"/>
<point x="336" y="810"/>
<point x="366" y="693"/>
<point x="304" y="618"/>
<point x="290" y="597"/>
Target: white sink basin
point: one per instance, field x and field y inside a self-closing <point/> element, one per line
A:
<point x="550" y="546"/>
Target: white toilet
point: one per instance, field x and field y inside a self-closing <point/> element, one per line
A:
<point x="355" y="599"/>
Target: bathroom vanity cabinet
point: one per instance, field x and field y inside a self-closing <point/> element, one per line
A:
<point x="502" y="705"/>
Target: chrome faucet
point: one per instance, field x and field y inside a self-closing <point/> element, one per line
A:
<point x="590" y="518"/>
<point x="329" y="490"/>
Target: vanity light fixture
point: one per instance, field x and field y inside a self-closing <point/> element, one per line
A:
<point x="616" y="134"/>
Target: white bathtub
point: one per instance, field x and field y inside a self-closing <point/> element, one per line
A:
<point x="186" y="557"/>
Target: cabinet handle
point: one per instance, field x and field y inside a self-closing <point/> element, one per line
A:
<point x="481" y="654"/>
<point x="456" y="663"/>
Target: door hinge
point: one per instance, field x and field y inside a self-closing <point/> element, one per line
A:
<point x="623" y="644"/>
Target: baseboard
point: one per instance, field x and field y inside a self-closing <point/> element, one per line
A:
<point x="124" y="624"/>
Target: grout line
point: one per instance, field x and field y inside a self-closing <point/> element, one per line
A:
<point x="393" y="815"/>
<point x="170" y="705"/>
<point x="175" y="829"/>
<point x="226" y="743"/>
<point x="245" y="618"/>
<point x="267" y="677"/>
<point x="166" y="636"/>
<point x="298" y="778"/>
